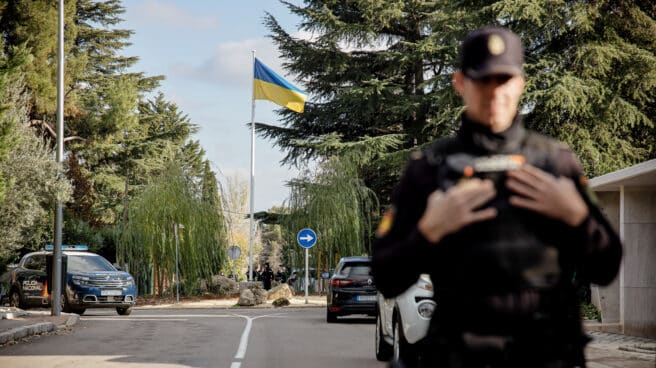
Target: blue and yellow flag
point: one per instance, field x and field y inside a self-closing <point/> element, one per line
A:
<point x="268" y="85"/>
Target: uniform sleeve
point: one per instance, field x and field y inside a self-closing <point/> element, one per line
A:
<point x="399" y="255"/>
<point x="598" y="249"/>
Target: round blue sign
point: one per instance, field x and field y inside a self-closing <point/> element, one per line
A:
<point x="306" y="238"/>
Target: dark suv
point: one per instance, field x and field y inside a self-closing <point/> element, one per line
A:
<point x="352" y="289"/>
<point x="88" y="281"/>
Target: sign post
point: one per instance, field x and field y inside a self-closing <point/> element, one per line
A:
<point x="306" y="238"/>
<point x="234" y="252"/>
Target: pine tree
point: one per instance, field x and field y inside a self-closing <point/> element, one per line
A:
<point x="382" y="70"/>
<point x="376" y="73"/>
<point x="101" y="44"/>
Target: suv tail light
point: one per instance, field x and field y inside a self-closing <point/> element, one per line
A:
<point x="341" y="282"/>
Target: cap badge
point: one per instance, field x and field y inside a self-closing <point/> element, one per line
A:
<point x="495" y="45"/>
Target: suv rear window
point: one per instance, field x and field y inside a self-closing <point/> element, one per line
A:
<point x="355" y="269"/>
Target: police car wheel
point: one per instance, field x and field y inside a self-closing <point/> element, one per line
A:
<point x="15" y="300"/>
<point x="67" y="308"/>
<point x="64" y="307"/>
<point x="123" y="311"/>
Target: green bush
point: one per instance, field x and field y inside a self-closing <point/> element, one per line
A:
<point x="589" y="311"/>
<point x="280" y="302"/>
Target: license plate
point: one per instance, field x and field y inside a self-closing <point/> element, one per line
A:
<point x="366" y="298"/>
<point x="111" y="292"/>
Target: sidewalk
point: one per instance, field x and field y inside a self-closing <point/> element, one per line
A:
<point x="610" y="350"/>
<point x="16" y="323"/>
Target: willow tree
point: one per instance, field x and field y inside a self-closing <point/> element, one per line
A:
<point x="147" y="241"/>
<point x="337" y="205"/>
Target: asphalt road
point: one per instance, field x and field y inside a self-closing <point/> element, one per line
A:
<point x="247" y="338"/>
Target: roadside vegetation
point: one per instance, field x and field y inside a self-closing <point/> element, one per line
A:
<point x="129" y="152"/>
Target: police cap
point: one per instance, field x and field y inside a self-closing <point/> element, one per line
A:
<point x="491" y="51"/>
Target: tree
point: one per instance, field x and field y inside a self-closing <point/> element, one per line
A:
<point x="594" y="83"/>
<point x="13" y="102"/>
<point x="30" y="179"/>
<point x="271" y="247"/>
<point x="35" y="25"/>
<point x="147" y="243"/>
<point x="37" y="181"/>
<point x="235" y="204"/>
<point x="335" y="203"/>
<point x="382" y="70"/>
<point x="101" y="44"/>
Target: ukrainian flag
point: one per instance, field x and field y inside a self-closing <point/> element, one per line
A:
<point x="267" y="85"/>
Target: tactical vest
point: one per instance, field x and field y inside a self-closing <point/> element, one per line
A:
<point x="510" y="276"/>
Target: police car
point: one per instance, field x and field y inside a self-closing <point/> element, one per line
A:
<point x="88" y="281"/>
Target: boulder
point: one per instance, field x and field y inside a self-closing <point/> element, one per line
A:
<point x="280" y="291"/>
<point x="246" y="298"/>
<point x="260" y="296"/>
<point x="224" y="285"/>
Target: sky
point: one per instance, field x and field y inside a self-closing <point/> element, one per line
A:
<point x="204" y="49"/>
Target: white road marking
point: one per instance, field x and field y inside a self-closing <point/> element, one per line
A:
<point x="243" y="342"/>
<point x="183" y="316"/>
<point x="131" y="319"/>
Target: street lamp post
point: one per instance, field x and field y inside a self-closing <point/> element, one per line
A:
<point x="177" y="272"/>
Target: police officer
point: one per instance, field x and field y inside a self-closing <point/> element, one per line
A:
<point x="267" y="276"/>
<point x="501" y="219"/>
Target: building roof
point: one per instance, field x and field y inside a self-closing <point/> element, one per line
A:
<point x="640" y="175"/>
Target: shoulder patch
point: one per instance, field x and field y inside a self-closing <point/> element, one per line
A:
<point x="592" y="196"/>
<point x="416" y="155"/>
<point x="386" y="222"/>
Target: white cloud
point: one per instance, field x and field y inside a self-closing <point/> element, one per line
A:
<point x="231" y="61"/>
<point x="163" y="12"/>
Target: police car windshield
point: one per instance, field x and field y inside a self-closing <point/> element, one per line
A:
<point x="88" y="263"/>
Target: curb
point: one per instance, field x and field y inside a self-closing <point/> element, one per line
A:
<point x="35" y="329"/>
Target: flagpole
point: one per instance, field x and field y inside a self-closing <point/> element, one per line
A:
<point x="252" y="183"/>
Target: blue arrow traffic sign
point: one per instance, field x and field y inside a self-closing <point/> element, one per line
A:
<point x="306" y="238"/>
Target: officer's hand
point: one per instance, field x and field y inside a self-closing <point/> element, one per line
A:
<point x="450" y="211"/>
<point x="546" y="194"/>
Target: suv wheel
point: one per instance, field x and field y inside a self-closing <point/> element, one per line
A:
<point x="383" y="349"/>
<point x="15" y="300"/>
<point x="330" y="316"/>
<point x="123" y="311"/>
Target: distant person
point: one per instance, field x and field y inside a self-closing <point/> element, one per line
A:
<point x="281" y="276"/>
<point x="501" y="218"/>
<point x="267" y="277"/>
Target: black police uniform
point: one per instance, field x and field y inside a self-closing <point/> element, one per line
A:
<point x="503" y="287"/>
